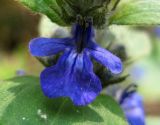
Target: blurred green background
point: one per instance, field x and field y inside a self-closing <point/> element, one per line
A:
<point x="18" y="25"/>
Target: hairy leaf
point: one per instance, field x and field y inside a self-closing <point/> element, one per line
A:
<point x="22" y="103"/>
<point x="137" y="12"/>
<point x="64" y="12"/>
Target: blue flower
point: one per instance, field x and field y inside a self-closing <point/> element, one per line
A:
<point x="157" y="31"/>
<point x="132" y="105"/>
<point x="73" y="74"/>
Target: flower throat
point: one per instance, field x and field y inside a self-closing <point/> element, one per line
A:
<point x="83" y="32"/>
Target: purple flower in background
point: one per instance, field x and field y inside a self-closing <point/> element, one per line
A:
<point x="20" y="72"/>
<point x="132" y="105"/>
<point x="157" y="31"/>
<point x="73" y="74"/>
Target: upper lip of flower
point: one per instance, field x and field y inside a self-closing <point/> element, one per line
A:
<point x="73" y="74"/>
<point x="132" y="105"/>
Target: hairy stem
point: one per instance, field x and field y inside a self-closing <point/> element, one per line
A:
<point x="115" y="5"/>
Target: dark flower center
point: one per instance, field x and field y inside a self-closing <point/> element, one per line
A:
<point x="82" y="33"/>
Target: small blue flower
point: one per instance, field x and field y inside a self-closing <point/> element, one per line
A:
<point x="20" y="72"/>
<point x="157" y="31"/>
<point x="73" y="74"/>
<point x="132" y="105"/>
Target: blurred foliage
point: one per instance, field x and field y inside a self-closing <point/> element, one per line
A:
<point x="153" y="121"/>
<point x="17" y="25"/>
<point x="18" y="60"/>
<point x="150" y="79"/>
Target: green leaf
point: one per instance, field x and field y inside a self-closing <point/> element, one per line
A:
<point x="22" y="103"/>
<point x="64" y="12"/>
<point x="49" y="8"/>
<point x="137" y="12"/>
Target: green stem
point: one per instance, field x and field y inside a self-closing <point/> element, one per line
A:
<point x="115" y="5"/>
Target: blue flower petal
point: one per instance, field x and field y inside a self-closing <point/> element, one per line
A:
<point x="134" y="109"/>
<point x="48" y="46"/>
<point x="71" y="77"/>
<point x="106" y="58"/>
<point x="135" y="121"/>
